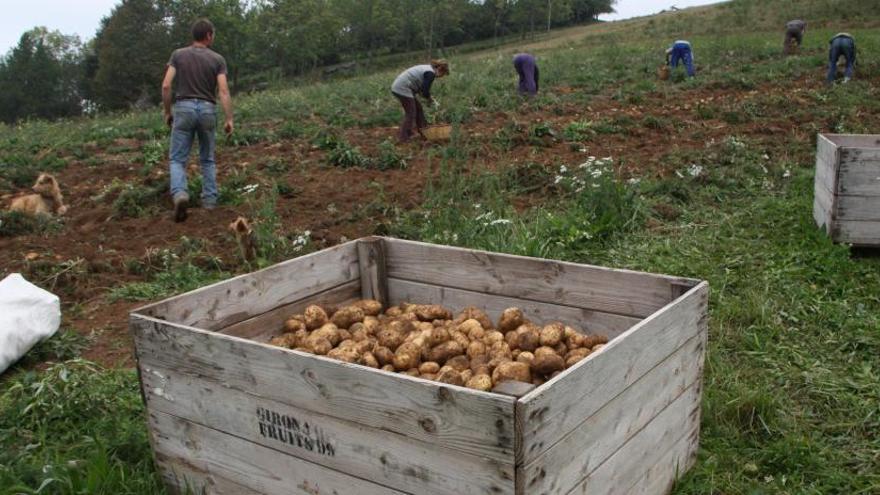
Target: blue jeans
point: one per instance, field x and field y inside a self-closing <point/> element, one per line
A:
<point x="191" y="118"/>
<point x="842" y="47"/>
<point x="681" y="52"/>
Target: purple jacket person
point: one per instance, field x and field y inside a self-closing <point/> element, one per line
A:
<point x="527" y="68"/>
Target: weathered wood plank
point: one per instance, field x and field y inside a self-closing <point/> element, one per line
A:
<point x="255" y="467"/>
<point x="861" y="208"/>
<point x="559" y="468"/>
<point x="858" y="233"/>
<point x="548" y="414"/>
<point x="822" y="204"/>
<point x="681" y="419"/>
<point x="853" y="140"/>
<point x="373" y="454"/>
<point x="860" y="178"/>
<point x="608" y="290"/>
<point x="457" y="418"/>
<point x="265" y="326"/>
<point x="181" y="478"/>
<point x="374" y="280"/>
<point x="661" y="477"/>
<point x="457" y="299"/>
<point x="231" y="301"/>
<point x="826" y="176"/>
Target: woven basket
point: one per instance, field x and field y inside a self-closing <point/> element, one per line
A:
<point x="663" y="72"/>
<point x="438" y="132"/>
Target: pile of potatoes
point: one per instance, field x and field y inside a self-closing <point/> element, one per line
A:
<point x="426" y="341"/>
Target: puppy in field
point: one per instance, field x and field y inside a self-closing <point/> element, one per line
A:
<point x="247" y="240"/>
<point x="46" y="201"/>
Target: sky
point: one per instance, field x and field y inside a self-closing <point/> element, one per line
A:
<point x="83" y="16"/>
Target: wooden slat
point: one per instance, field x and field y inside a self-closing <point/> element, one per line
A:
<point x="457" y="299"/>
<point x="373" y="454"/>
<point x="853" y="140"/>
<point x="826" y="175"/>
<point x="822" y="205"/>
<point x="257" y="468"/>
<point x="866" y="234"/>
<point x="549" y="413"/>
<point x="182" y="478"/>
<point x="860" y="178"/>
<point x="225" y="303"/>
<point x="374" y="280"/>
<point x="648" y="447"/>
<point x="661" y="477"/>
<point x="458" y="418"/>
<point x="560" y="468"/>
<point x="265" y="326"/>
<point x="858" y="208"/>
<point x="608" y="290"/>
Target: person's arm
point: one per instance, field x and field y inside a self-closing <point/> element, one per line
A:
<point x="166" y="93"/>
<point x="226" y="102"/>
<point x="427" y="81"/>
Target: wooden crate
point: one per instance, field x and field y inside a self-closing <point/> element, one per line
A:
<point x="229" y="413"/>
<point x="847" y="188"/>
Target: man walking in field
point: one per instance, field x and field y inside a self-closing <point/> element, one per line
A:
<point x="201" y="75"/>
<point x="842" y="45"/>
<point x="794" y="36"/>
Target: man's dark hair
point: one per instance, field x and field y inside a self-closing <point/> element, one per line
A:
<point x="201" y="29"/>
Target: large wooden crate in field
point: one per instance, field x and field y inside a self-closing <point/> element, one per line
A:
<point x="229" y="413"/>
<point x="847" y="188"/>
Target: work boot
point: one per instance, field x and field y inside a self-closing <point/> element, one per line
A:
<point x="181" y="201"/>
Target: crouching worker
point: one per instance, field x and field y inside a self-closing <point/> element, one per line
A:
<point x="527" y="68"/>
<point x="842" y="45"/>
<point x="408" y="85"/>
<point x="201" y="75"/>
<point x="681" y="51"/>
<point x="794" y="36"/>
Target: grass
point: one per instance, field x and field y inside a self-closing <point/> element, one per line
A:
<point x="791" y="400"/>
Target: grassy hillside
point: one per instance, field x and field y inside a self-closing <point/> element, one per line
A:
<point x="708" y="178"/>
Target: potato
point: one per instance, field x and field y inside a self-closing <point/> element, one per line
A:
<point x="359" y="335"/>
<point x="476" y="348"/>
<point x="544" y="351"/>
<point x="529" y="339"/>
<point x="472" y="329"/>
<point x="460" y="338"/>
<point x="347" y="316"/>
<point x="574" y="341"/>
<point x="394" y="311"/>
<point x="552" y="334"/>
<point x="466" y="375"/>
<point x="500" y="350"/>
<point x="512" y="370"/>
<point x="459" y="363"/>
<point x="407" y="356"/>
<point x="412" y="372"/>
<point x="598" y="347"/>
<point x="547" y="363"/>
<point x="427" y="312"/>
<point x="363" y="346"/>
<point x="493" y="336"/>
<point x="450" y="376"/>
<point x="428" y="376"/>
<point x="515" y="354"/>
<point x="346" y="344"/>
<point x="344" y="334"/>
<point x="388" y="367"/>
<point x="329" y="332"/>
<point x="346" y="354"/>
<point x="384" y="355"/>
<point x="294" y="324"/>
<point x="474" y="313"/>
<point x="480" y="365"/>
<point x="525" y="357"/>
<point x="370" y="307"/>
<point x="594" y="340"/>
<point x="315" y="317"/>
<point x="429" y="367"/>
<point x="371" y="324"/>
<point x="368" y="359"/>
<point x="480" y="382"/>
<point x="575" y="355"/>
<point x="287" y="340"/>
<point x="318" y="344"/>
<point x="561" y="348"/>
<point x="510" y="319"/>
<point x="512" y="339"/>
<point x="389" y="338"/>
<point x="438" y="335"/>
<point x="445" y="351"/>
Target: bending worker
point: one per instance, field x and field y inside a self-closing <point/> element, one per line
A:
<point x="842" y="45"/>
<point x="681" y="51"/>
<point x="794" y="31"/>
<point x="415" y="81"/>
<point x="527" y="68"/>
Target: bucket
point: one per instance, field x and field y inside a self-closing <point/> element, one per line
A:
<point x="663" y="72"/>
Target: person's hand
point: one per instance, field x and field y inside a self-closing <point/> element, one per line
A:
<point x="229" y="127"/>
<point x="169" y="119"/>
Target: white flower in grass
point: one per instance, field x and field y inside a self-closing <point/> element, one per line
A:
<point x="695" y="170"/>
<point x="634" y="181"/>
<point x="787" y="174"/>
<point x="501" y="221"/>
<point x="249" y="188"/>
<point x="597" y="173"/>
<point x="563" y="169"/>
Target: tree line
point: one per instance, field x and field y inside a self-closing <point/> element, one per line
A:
<point x="50" y="75"/>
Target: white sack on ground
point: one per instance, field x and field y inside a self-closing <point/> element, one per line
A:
<point x="28" y="314"/>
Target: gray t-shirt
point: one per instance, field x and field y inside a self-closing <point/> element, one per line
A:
<point x="410" y="82"/>
<point x="197" y="70"/>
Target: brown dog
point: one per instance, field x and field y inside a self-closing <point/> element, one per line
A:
<point x="46" y="201"/>
<point x="247" y="240"/>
